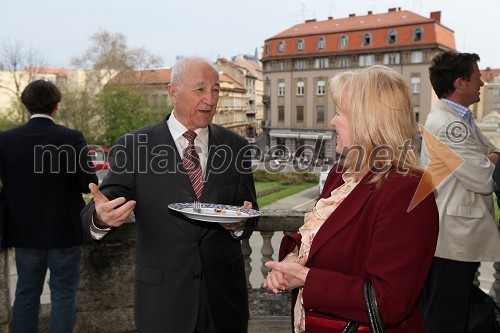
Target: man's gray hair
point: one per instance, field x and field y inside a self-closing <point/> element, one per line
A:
<point x="182" y="65"/>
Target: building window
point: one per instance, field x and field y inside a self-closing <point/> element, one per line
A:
<point x="281" y="113"/>
<point x="281" y="89"/>
<point x="367" y="39"/>
<point x="418" y="34"/>
<point x="300" y="64"/>
<point x="281" y="47"/>
<point x="281" y="65"/>
<point x="320" y="114"/>
<point x="416" y="112"/>
<point x="415" y="84"/>
<point x="343" y="62"/>
<point x="300" y="88"/>
<point x="392" y="37"/>
<point x="496" y="91"/>
<point x="343" y="42"/>
<point x="300" y="113"/>
<point x="321" y="43"/>
<point x="417" y="57"/>
<point x="321" y="63"/>
<point x="267" y="48"/>
<point x="366" y="60"/>
<point x="391" y="59"/>
<point x="321" y="88"/>
<point x="496" y="106"/>
<point x="300" y="45"/>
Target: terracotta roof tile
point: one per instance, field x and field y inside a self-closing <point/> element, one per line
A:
<point x="489" y="74"/>
<point x="47" y="70"/>
<point x="404" y="22"/>
<point x="153" y="76"/>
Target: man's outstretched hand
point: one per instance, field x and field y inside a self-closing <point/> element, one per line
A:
<point x="110" y="213"/>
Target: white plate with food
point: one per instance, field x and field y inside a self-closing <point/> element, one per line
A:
<point x="215" y="212"/>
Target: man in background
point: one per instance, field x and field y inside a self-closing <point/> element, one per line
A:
<point x="468" y="233"/>
<point x="44" y="168"/>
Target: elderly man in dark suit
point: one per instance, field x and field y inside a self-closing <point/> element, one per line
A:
<point x="189" y="274"/>
<point x="44" y="169"/>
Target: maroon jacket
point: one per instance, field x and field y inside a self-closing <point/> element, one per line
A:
<point x="371" y="235"/>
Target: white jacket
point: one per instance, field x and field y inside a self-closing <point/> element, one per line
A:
<point x="468" y="230"/>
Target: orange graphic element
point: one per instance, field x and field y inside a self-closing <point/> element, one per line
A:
<point x="442" y="162"/>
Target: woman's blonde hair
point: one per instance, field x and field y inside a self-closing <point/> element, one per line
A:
<point x="377" y="102"/>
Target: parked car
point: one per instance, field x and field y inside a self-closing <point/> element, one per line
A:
<point x="322" y="179"/>
<point x="99" y="157"/>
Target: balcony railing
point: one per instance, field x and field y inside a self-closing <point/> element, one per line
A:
<point x="105" y="293"/>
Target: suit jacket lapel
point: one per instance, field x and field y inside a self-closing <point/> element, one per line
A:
<point x="344" y="214"/>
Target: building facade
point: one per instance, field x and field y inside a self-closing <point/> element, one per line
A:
<point x="248" y="73"/>
<point x="298" y="62"/>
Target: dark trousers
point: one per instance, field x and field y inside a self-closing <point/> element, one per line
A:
<point x="64" y="265"/>
<point x="205" y="323"/>
<point x="445" y="297"/>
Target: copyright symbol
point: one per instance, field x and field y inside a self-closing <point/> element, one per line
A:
<point x="457" y="131"/>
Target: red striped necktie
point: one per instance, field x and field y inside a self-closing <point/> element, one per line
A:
<point x="192" y="163"/>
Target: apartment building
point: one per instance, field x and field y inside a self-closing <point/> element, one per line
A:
<point x="487" y="111"/>
<point x="255" y="89"/>
<point x="248" y="74"/>
<point x="298" y="62"/>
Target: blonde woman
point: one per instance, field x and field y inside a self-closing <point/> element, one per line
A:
<point x="367" y="224"/>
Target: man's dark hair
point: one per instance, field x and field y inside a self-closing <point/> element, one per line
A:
<point x="448" y="66"/>
<point x="41" y="96"/>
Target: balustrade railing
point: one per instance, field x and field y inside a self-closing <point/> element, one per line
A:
<point x="110" y="299"/>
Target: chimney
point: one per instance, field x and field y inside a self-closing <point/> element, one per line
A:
<point x="370" y="12"/>
<point x="352" y="15"/>
<point x="436" y="16"/>
<point x="392" y="10"/>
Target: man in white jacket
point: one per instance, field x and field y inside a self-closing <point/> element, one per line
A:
<point x="468" y="232"/>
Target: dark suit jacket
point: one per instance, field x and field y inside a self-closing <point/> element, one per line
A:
<point x="172" y="250"/>
<point x="371" y="235"/>
<point x="44" y="169"/>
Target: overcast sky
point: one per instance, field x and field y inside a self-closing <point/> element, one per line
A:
<point x="60" y="29"/>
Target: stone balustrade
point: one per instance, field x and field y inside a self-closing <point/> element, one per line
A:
<point x="105" y="294"/>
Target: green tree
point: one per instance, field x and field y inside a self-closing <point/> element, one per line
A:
<point x="123" y="111"/>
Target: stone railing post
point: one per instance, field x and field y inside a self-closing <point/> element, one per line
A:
<point x="266" y="251"/>
<point x="4" y="291"/>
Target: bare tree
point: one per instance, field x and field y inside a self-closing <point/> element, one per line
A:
<point x="107" y="56"/>
<point x="22" y="63"/>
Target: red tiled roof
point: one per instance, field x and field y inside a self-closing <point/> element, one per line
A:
<point x="223" y="77"/>
<point x="404" y="22"/>
<point x="46" y="70"/>
<point x="489" y="74"/>
<point x="153" y="76"/>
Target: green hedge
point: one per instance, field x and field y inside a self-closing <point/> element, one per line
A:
<point x="285" y="178"/>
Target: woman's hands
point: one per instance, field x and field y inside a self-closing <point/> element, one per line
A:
<point x="288" y="274"/>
